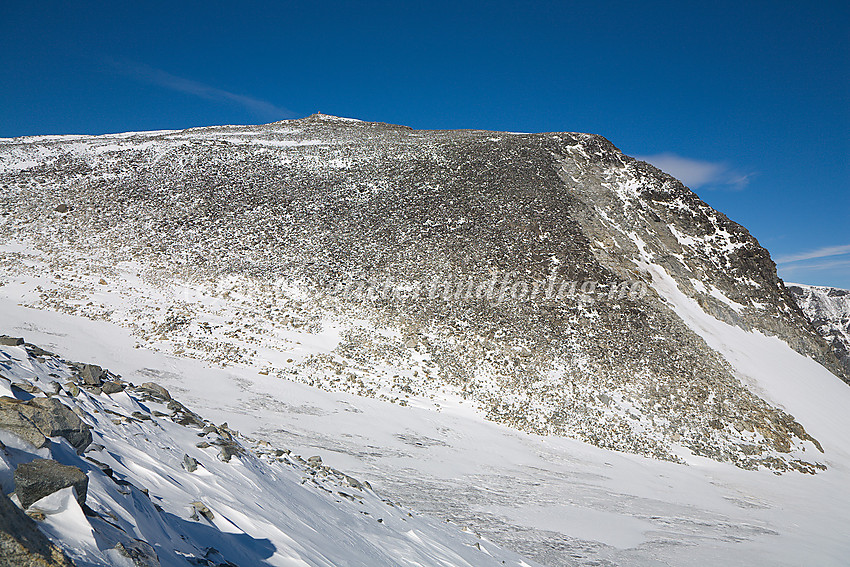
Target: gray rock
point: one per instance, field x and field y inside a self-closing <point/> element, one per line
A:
<point x="54" y="419"/>
<point x="112" y="387"/>
<point x="92" y="374"/>
<point x="43" y="477"/>
<point x="184" y="416"/>
<point x="62" y="208"/>
<point x="224" y="432"/>
<point x="39" y="418"/>
<point x="189" y="463"/>
<point x="37" y="351"/>
<point x="14" y="421"/>
<point x="201" y="508"/>
<point x="21" y="542"/>
<point x="106" y="469"/>
<point x="228" y="450"/>
<point x="142" y="554"/>
<point x="353" y="482"/>
<point x="10" y="341"/>
<point x="155" y="391"/>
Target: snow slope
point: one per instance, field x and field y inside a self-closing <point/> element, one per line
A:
<point x="258" y="507"/>
<point x="558" y="500"/>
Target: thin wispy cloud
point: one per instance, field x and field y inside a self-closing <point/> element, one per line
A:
<point x="812" y="265"/>
<point x="697" y="173"/>
<point x="151" y="75"/>
<point x="826" y="265"/>
<point x="825" y="252"/>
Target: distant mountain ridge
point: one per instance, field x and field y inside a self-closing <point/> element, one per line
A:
<point x="828" y="308"/>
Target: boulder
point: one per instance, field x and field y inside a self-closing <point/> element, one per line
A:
<point x="228" y="450"/>
<point x="112" y="387"/>
<point x="92" y="374"/>
<point x="201" y="508"/>
<point x="155" y="391"/>
<point x="22" y="544"/>
<point x="54" y="419"/>
<point x="62" y="208"/>
<point x="26" y="387"/>
<point x="190" y="463"/>
<point x="39" y="418"/>
<point x="185" y="416"/>
<point x="10" y="341"/>
<point x="105" y="469"/>
<point x="43" y="477"/>
<point x="14" y="421"/>
<point x="353" y="482"/>
<point x="38" y="352"/>
<point x="141" y="553"/>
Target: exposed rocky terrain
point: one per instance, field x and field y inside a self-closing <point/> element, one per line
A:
<point x="828" y="308"/>
<point x="97" y="471"/>
<point x="273" y="225"/>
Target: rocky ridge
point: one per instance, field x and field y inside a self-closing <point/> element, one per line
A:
<point x="234" y="239"/>
<point x="828" y="308"/>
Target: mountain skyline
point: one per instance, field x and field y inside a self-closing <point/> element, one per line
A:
<point x="746" y="104"/>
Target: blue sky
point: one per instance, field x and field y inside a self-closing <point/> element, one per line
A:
<point x="748" y="103"/>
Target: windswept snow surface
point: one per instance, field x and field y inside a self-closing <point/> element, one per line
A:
<point x="560" y="501"/>
<point x="261" y="507"/>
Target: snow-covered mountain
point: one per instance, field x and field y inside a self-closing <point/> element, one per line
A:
<point x="532" y="335"/>
<point x="828" y="308"/>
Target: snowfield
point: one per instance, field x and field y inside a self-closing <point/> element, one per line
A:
<point x="252" y="506"/>
<point x="559" y="500"/>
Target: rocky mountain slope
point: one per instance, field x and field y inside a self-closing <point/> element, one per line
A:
<point x="828" y="308"/>
<point x="117" y="474"/>
<point x="420" y="267"/>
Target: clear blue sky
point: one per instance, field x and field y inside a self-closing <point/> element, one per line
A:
<point x="748" y="102"/>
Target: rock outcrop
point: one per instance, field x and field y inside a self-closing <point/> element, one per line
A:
<point x="42" y="477"/>
<point x="150" y="491"/>
<point x="40" y="418"/>
<point x="828" y="308"/>
<point x="21" y="542"/>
